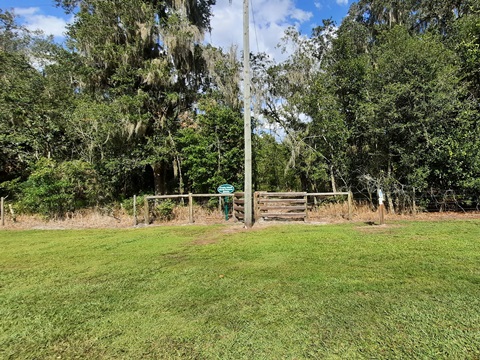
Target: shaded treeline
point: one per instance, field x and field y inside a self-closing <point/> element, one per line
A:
<point x="134" y="102"/>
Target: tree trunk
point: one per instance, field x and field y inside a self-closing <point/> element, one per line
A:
<point x="180" y="176"/>
<point x="178" y="166"/>
<point x="159" y="178"/>
<point x="332" y="178"/>
<point x="391" y="207"/>
<point x="388" y="193"/>
<point x="304" y="182"/>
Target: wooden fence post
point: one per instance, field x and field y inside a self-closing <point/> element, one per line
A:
<point x="414" y="206"/>
<point x="12" y="213"/>
<point x="135" y="222"/>
<point x="2" y="211"/>
<point x="350" y="205"/>
<point x="381" y="209"/>
<point x="305" y="198"/>
<point x="147" y="218"/>
<point x="233" y="208"/>
<point x="190" y="208"/>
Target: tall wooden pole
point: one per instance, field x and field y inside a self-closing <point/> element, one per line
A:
<point x="247" y="117"/>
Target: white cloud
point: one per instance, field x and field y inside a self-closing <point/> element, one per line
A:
<point x="267" y="25"/>
<point x="342" y="2"/>
<point x="26" y="11"/>
<point x="34" y="20"/>
<point x="318" y="5"/>
<point x="301" y="15"/>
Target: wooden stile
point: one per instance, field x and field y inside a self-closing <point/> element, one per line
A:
<point x="280" y="205"/>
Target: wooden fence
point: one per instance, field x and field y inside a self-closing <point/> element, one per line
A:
<point x="290" y="205"/>
<point x="266" y="205"/>
<point x="239" y="206"/>
<point x="280" y="205"/>
<point x="190" y="197"/>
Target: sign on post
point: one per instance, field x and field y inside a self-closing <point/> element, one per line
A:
<point x="226" y="189"/>
<point x="380" y="197"/>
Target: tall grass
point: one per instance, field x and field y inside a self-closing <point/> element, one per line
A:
<point x="411" y="290"/>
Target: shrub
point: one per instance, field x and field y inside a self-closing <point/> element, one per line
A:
<point x="53" y="189"/>
<point x="212" y="203"/>
<point x="164" y="210"/>
<point x="127" y="205"/>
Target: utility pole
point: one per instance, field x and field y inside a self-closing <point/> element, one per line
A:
<point x="247" y="119"/>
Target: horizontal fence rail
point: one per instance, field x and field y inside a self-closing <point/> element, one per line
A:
<point x="190" y="197"/>
<point x="267" y="205"/>
<point x="280" y="205"/>
<point x="239" y="206"/>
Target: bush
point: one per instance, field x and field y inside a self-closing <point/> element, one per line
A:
<point x="212" y="203"/>
<point x="164" y="210"/>
<point x="53" y="189"/>
<point x="127" y="205"/>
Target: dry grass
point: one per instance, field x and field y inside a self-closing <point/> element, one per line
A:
<point x="88" y="219"/>
<point x="326" y="213"/>
<point x="85" y="219"/>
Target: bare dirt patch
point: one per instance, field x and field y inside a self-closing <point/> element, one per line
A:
<point x="375" y="228"/>
<point x="233" y="228"/>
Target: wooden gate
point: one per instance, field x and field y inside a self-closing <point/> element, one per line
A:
<point x="277" y="205"/>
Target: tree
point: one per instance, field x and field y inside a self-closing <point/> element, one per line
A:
<point x="270" y="160"/>
<point x="144" y="60"/>
<point x="465" y="40"/>
<point x="34" y="96"/>
<point x="212" y="148"/>
<point x="411" y="120"/>
<point x="297" y="95"/>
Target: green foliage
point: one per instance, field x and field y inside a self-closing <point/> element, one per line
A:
<point x="53" y="189"/>
<point x="270" y="159"/>
<point x="466" y="41"/>
<point x="390" y="98"/>
<point x="33" y="102"/>
<point x="421" y="111"/>
<point x="141" y="62"/>
<point x="164" y="210"/>
<point x="212" y="204"/>
<point x="127" y="205"/>
<point x="212" y="148"/>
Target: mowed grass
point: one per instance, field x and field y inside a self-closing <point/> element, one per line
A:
<point x="410" y="290"/>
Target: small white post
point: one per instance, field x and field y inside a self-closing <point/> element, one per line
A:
<point x="381" y="207"/>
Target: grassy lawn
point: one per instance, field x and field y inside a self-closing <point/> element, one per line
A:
<point x="406" y="291"/>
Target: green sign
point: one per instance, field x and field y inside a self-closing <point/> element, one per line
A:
<point x="225" y="189"/>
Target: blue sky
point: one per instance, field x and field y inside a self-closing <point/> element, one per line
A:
<point x="268" y="23"/>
